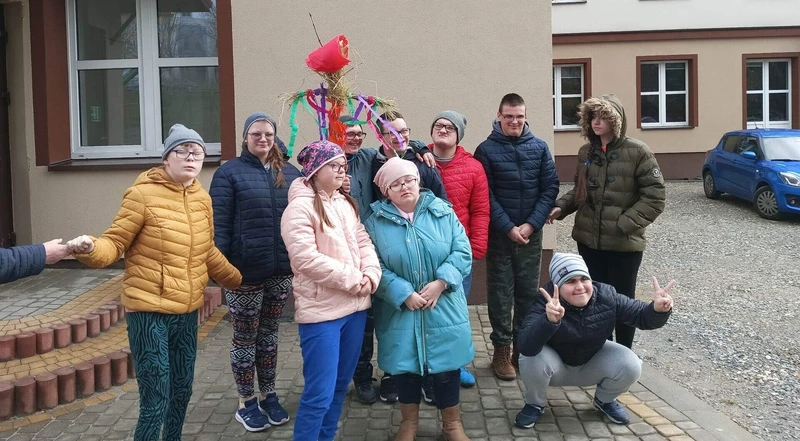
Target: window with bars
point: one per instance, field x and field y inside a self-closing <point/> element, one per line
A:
<point x="136" y="68"/>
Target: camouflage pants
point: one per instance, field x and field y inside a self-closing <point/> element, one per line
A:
<point x="512" y="284"/>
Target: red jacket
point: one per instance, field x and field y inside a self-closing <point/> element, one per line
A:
<point x="468" y="190"/>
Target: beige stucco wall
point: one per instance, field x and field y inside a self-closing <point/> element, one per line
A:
<point x="428" y="56"/>
<point x="719" y="86"/>
<point x="446" y="55"/>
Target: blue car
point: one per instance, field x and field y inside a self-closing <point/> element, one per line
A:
<point x="759" y="165"/>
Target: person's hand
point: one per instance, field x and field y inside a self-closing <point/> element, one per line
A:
<point x="525" y="230"/>
<point x="346" y="184"/>
<point x="515" y="236"/>
<point x="553" y="309"/>
<point x="81" y="244"/>
<point x="365" y="287"/>
<point x="55" y="250"/>
<point x="428" y="159"/>
<point x="431" y="292"/>
<point x="555" y="213"/>
<point x="662" y="301"/>
<point x="415" y="301"/>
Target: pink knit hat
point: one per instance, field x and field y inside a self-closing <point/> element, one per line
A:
<point x="316" y="155"/>
<point x="394" y="169"/>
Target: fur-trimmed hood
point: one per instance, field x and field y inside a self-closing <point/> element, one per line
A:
<point x="610" y="108"/>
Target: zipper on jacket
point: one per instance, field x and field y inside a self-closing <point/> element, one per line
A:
<point x="422" y="311"/>
<point x="191" y="246"/>
<point x="275" y="220"/>
<point x="521" y="182"/>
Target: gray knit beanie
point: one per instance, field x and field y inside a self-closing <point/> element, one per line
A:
<point x="258" y="116"/>
<point x="180" y="134"/>
<point x="565" y="266"/>
<point x="458" y="120"/>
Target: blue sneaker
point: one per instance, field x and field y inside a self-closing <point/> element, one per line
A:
<point x="251" y="418"/>
<point x="528" y="416"/>
<point x="467" y="379"/>
<point x="272" y="409"/>
<point x="614" y="411"/>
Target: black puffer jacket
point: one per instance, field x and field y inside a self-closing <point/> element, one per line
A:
<point x="247" y="216"/>
<point x="583" y="331"/>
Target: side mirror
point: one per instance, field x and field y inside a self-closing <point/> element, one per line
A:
<point x="750" y="155"/>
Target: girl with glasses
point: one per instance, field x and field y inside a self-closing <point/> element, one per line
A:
<point x="336" y="271"/>
<point x="421" y="317"/>
<point x="250" y="193"/>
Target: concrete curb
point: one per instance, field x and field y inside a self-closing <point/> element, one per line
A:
<point x="705" y="416"/>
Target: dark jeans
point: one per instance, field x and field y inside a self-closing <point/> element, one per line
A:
<point x="620" y="270"/>
<point x="363" y="373"/>
<point x="446" y="388"/>
<point x="512" y="283"/>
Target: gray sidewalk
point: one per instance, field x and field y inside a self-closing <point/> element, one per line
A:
<point x="661" y="409"/>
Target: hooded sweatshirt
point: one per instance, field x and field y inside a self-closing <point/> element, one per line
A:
<point x="625" y="188"/>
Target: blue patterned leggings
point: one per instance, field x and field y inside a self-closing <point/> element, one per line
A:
<point x="255" y="312"/>
<point x="164" y="348"/>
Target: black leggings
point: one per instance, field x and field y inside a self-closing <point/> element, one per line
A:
<point x="446" y="388"/>
<point x="620" y="270"/>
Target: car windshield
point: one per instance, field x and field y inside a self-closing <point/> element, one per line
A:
<point x="782" y="149"/>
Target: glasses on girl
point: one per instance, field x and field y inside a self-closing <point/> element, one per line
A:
<point x="338" y="168"/>
<point x="407" y="183"/>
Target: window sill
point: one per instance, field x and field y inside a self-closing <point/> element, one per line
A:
<point x="666" y="127"/>
<point x="117" y="164"/>
<point x="567" y="129"/>
<point x="568" y="2"/>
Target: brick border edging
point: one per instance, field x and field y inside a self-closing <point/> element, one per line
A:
<point x="43" y="340"/>
<point x="27" y="395"/>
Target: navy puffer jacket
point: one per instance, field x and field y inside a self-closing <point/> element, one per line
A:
<point x="522" y="178"/>
<point x="247" y="216"/>
<point x="583" y="331"/>
<point x="22" y="261"/>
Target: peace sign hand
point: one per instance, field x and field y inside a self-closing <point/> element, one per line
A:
<point x="662" y="301"/>
<point x="553" y="309"/>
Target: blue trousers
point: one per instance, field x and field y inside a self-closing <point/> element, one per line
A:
<point x="330" y="353"/>
<point x="467" y="284"/>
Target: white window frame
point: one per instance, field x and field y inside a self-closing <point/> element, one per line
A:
<point x="558" y="96"/>
<point x="148" y="64"/>
<point x="662" y="93"/>
<point x="766" y="91"/>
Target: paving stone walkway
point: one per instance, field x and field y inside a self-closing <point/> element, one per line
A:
<point x="661" y="409"/>
<point x="48" y="291"/>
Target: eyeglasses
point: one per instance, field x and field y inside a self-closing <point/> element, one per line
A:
<point x="338" y="168"/>
<point x="184" y="154"/>
<point x="402" y="132"/>
<point x="354" y="135"/>
<point x="512" y="118"/>
<point x="258" y="135"/>
<point x="447" y="127"/>
<point x="408" y="183"/>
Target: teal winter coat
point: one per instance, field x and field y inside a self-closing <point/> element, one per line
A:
<point x="413" y="254"/>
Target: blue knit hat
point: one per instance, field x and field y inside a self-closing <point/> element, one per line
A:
<point x="180" y="134"/>
<point x="565" y="266"/>
<point x="258" y="116"/>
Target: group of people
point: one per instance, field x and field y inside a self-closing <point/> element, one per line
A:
<point x="380" y="242"/>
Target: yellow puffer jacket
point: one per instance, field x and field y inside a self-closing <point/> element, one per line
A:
<point x="166" y="232"/>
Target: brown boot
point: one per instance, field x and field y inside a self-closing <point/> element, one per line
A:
<point x="500" y="363"/>
<point x="515" y="357"/>
<point x="410" y="423"/>
<point x="452" y="430"/>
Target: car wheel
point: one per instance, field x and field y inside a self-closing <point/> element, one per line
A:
<point x="710" y="186"/>
<point x="766" y="203"/>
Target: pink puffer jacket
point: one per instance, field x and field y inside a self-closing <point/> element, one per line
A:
<point x="328" y="264"/>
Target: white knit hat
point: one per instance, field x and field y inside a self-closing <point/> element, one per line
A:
<point x="565" y="266"/>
